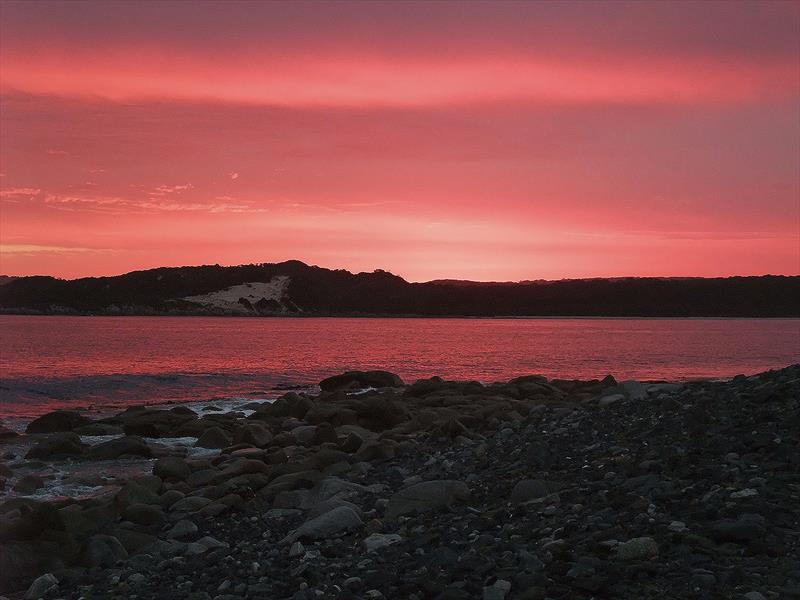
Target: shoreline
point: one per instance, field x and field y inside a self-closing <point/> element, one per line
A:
<point x="373" y="488"/>
<point x="6" y="312"/>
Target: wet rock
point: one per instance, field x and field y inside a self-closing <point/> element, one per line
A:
<point x="182" y="529"/>
<point x="360" y="379"/>
<point x="133" y="493"/>
<point x="742" y="530"/>
<point x="172" y="468"/>
<point x="377" y="541"/>
<point x="40" y="586"/>
<point x="190" y="504"/>
<point x="124" y="446"/>
<point x="253" y="434"/>
<point x="531" y="489"/>
<point x="331" y="523"/>
<point x="214" y="437"/>
<point x="57" y="445"/>
<point x="28" y="484"/>
<point x="58" y="420"/>
<point x="427" y="496"/>
<point x="144" y="514"/>
<point x="104" y="551"/>
<point x="637" y="549"/>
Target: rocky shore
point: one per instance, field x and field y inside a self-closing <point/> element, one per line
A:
<point x="528" y="489"/>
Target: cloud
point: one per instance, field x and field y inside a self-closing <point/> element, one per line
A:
<point x="233" y="176"/>
<point x="36" y="249"/>
<point x="163" y="190"/>
<point x="19" y="193"/>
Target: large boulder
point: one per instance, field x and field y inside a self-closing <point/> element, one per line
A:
<point x="214" y="438"/>
<point x="427" y="496"/>
<point x="359" y="380"/>
<point x="129" y="445"/>
<point x="288" y="405"/>
<point x="172" y="468"/>
<point x="333" y="522"/>
<point x="21" y="562"/>
<point x="253" y="434"/>
<point x="133" y="493"/>
<point x="532" y="489"/>
<point x="58" y="420"/>
<point x="58" y="445"/>
<point x="104" y="551"/>
<point x="155" y="423"/>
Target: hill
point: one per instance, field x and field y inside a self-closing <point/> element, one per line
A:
<point x="294" y="288"/>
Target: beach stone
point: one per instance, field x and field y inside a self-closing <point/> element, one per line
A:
<point x="741" y="530"/>
<point x="125" y="446"/>
<point x="360" y="379"/>
<point x="637" y="549"/>
<point x="28" y="484"/>
<point x="214" y="438"/>
<point x="58" y="445"/>
<point x="133" y="493"/>
<point x="427" y="496"/>
<point x="104" y="551"/>
<point x="190" y="504"/>
<point x="58" y="420"/>
<point x="331" y="523"/>
<point x="532" y="489"/>
<point x="172" y="468"/>
<point x="182" y="529"/>
<point x="97" y="429"/>
<point x="40" y="586"/>
<point x="376" y="541"/>
<point x="144" y="514"/>
<point x="611" y="399"/>
<point x="254" y="434"/>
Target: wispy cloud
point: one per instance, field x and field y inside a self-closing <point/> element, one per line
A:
<point x="163" y="190"/>
<point x="36" y="249"/>
<point x="17" y="194"/>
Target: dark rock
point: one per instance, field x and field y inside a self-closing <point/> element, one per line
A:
<point x="171" y="468"/>
<point x="427" y="496"/>
<point x="214" y="438"/>
<point x="58" y="445"/>
<point x="360" y="379"/>
<point x="58" y="420"/>
<point x="124" y="446"/>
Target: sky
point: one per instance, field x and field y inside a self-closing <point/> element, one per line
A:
<point x="472" y="140"/>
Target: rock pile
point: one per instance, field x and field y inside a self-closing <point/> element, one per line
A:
<point x="528" y="489"/>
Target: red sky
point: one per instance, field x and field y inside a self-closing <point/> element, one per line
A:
<point x="490" y="141"/>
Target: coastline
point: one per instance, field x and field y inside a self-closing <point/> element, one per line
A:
<point x="530" y="488"/>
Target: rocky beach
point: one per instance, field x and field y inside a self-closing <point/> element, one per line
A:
<point x="372" y="488"/>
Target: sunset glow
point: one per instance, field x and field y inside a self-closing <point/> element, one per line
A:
<point x="517" y="141"/>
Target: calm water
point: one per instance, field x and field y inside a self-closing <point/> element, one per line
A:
<point x="48" y="362"/>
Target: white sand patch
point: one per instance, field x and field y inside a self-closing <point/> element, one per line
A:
<point x="228" y="299"/>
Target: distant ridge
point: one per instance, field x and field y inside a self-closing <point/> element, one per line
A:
<point x="294" y="288"/>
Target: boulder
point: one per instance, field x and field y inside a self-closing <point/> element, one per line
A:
<point x="28" y="484"/>
<point x="531" y="489"/>
<point x="58" y="445"/>
<point x="637" y="549"/>
<point x="336" y="521"/>
<point x="96" y="428"/>
<point x="182" y="529"/>
<point x="125" y="446"/>
<point x="172" y="468"/>
<point x="376" y="541"/>
<point x="40" y="586"/>
<point x="427" y="496"/>
<point x="7" y="434"/>
<point x="104" y="551"/>
<point x="133" y="493"/>
<point x="253" y="434"/>
<point x="289" y="405"/>
<point x="214" y="438"/>
<point x="359" y="380"/>
<point x="190" y="504"/>
<point x="144" y="514"/>
<point x="58" y="420"/>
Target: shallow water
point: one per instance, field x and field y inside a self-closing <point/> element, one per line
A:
<point x="108" y="362"/>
